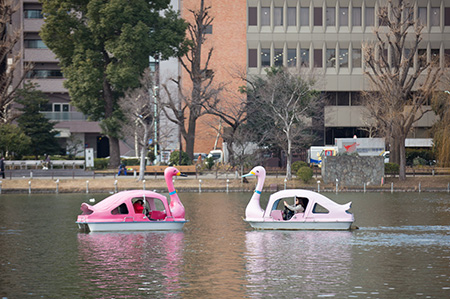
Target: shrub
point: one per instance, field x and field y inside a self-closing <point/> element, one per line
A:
<point x="175" y="158"/>
<point x="131" y="161"/>
<point x="101" y="163"/>
<point x="305" y="173"/>
<point x="391" y="168"/>
<point x="297" y="164"/>
<point x="209" y="162"/>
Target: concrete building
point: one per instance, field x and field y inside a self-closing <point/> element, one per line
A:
<point x="327" y="36"/>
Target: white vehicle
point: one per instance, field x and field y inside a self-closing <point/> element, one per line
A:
<point x="217" y="155"/>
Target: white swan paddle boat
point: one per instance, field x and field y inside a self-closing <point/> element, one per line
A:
<point x="123" y="212"/>
<point x="320" y="212"/>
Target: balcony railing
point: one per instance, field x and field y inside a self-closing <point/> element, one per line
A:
<point x="65" y="116"/>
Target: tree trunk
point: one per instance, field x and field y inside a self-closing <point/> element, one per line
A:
<point x="114" y="152"/>
<point x="402" y="153"/>
<point x="289" y="158"/>
<point x="143" y="154"/>
<point x="190" y="137"/>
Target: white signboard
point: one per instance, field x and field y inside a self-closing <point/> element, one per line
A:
<point x="89" y="156"/>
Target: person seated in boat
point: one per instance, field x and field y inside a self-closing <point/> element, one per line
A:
<point x="138" y="206"/>
<point x="299" y="207"/>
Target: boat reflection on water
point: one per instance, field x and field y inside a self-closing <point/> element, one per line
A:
<point x="131" y="263"/>
<point x="305" y="260"/>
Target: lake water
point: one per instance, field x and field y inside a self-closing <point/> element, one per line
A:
<point x="401" y="250"/>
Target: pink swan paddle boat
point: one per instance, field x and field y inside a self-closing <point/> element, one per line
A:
<point x="320" y="212"/>
<point x="135" y="210"/>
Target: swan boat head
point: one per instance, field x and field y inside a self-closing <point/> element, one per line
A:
<point x="176" y="207"/>
<point x="254" y="210"/>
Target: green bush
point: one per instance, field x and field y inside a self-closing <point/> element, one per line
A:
<point x="175" y="158"/>
<point x="131" y="161"/>
<point x="101" y="163"/>
<point x="391" y="168"/>
<point x="305" y="173"/>
<point x="209" y="162"/>
<point x="297" y="165"/>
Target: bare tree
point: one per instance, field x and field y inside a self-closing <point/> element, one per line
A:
<point x="289" y="101"/>
<point x="190" y="105"/>
<point x="441" y="129"/>
<point x="9" y="61"/>
<point x="233" y="112"/>
<point x="400" y="90"/>
<point x="138" y="106"/>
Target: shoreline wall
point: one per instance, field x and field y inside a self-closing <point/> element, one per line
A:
<point x="353" y="170"/>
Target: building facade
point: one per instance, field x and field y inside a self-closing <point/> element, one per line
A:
<point x="327" y="36"/>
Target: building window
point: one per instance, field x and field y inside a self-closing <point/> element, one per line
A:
<point x="435" y="55"/>
<point x="265" y="16"/>
<point x="34" y="44"/>
<point x="265" y="57"/>
<point x="356" y="58"/>
<point x="355" y="97"/>
<point x="44" y="74"/>
<point x="435" y="16"/>
<point x="252" y="16"/>
<point x="343" y="98"/>
<point x="447" y="57"/>
<point x="356" y="16"/>
<point x="304" y="16"/>
<point x="331" y="16"/>
<point x="383" y="20"/>
<point x="422" y="18"/>
<point x="343" y="58"/>
<point x="252" y="58"/>
<point x="318" y="58"/>
<point x="331" y="58"/>
<point x="304" y="57"/>
<point x="343" y="16"/>
<point x="447" y="16"/>
<point x="278" y="16"/>
<point x="317" y="16"/>
<point x="208" y="29"/>
<point x="33" y="14"/>
<point x="58" y="107"/>
<point x="278" y="57"/>
<point x="422" y="57"/>
<point x="292" y="16"/>
<point x="292" y="57"/>
<point x="370" y="16"/>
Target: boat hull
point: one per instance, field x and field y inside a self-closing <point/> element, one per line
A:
<point x="296" y="225"/>
<point x="131" y="226"/>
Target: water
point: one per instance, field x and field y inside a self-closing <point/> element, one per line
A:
<point x="401" y="250"/>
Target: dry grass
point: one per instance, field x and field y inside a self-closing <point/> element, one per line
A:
<point x="70" y="185"/>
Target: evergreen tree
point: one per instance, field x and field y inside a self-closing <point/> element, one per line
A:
<point x="13" y="141"/>
<point x="103" y="48"/>
<point x="34" y="124"/>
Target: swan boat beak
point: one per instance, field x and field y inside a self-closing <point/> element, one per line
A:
<point x="249" y="174"/>
<point x="181" y="174"/>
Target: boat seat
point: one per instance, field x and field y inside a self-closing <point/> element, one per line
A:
<point x="157" y="215"/>
<point x="277" y="215"/>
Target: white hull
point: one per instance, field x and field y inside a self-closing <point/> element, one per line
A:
<point x="132" y="226"/>
<point x="296" y="225"/>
